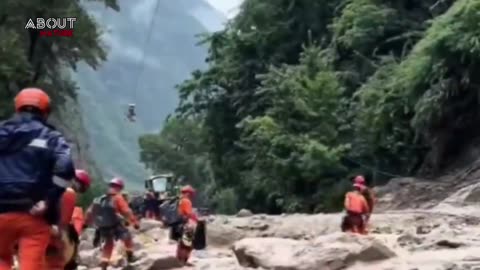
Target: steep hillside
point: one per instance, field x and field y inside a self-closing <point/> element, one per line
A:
<point x="28" y="58"/>
<point x="170" y="55"/>
<point x="458" y="187"/>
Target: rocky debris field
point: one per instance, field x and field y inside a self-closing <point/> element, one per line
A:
<point x="403" y="240"/>
<point x="420" y="225"/>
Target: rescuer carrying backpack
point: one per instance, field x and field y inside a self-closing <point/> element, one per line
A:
<point x="109" y="212"/>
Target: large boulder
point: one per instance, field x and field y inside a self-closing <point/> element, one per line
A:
<point x="218" y="264"/>
<point x="335" y="251"/>
<point x="223" y="235"/>
<point x="89" y="258"/>
<point x="149" y="224"/>
<point x="296" y="226"/>
<point x="244" y="213"/>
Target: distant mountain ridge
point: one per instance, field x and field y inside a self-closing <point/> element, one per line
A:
<point x="170" y="55"/>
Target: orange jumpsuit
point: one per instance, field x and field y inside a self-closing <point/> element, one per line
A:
<point x="185" y="210"/>
<point x="35" y="234"/>
<point x="78" y="219"/>
<point x="122" y="208"/>
<point x="55" y="261"/>
<point x="356" y="206"/>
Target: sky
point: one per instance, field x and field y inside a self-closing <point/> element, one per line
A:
<point x="139" y="14"/>
<point x="227" y="7"/>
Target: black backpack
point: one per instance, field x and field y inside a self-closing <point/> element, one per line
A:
<point x="169" y="212"/>
<point x="105" y="213"/>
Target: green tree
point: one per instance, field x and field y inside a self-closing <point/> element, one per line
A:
<point x="180" y="148"/>
<point x="28" y="59"/>
<point x="429" y="99"/>
<point x="295" y="143"/>
<point x="299" y="96"/>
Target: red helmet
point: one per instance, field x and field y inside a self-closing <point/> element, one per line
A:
<point x="83" y="178"/>
<point x="188" y="189"/>
<point x="359" y="179"/>
<point x="117" y="182"/>
<point x="34" y="97"/>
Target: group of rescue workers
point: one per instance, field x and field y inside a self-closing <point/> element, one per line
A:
<point x="39" y="184"/>
<point x="39" y="217"/>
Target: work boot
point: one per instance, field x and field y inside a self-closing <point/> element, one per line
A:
<point x="130" y="257"/>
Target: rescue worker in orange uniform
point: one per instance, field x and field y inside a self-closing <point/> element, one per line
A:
<point x="190" y="220"/>
<point x="367" y="193"/>
<point x="356" y="207"/>
<point x="55" y="256"/>
<point x="108" y="212"/>
<point x="35" y="168"/>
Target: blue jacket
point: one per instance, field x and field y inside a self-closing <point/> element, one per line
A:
<point x="35" y="164"/>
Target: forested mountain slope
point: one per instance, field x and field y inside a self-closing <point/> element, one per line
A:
<point x="171" y="54"/>
<point x="301" y="95"/>
<point x="29" y="59"/>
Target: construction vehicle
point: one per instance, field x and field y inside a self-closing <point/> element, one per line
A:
<point x="159" y="183"/>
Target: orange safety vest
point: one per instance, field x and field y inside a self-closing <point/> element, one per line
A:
<point x="356" y="203"/>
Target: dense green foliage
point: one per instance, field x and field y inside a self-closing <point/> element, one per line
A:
<point x="28" y="59"/>
<point x="301" y="95"/>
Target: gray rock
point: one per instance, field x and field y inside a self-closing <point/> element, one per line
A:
<point x="244" y="213"/>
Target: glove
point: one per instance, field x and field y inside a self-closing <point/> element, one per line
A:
<point x="39" y="208"/>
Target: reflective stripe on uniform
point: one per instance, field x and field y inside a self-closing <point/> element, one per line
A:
<point x="61" y="182"/>
<point x="40" y="143"/>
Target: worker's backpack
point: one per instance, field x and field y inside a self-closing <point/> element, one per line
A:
<point x="169" y="212"/>
<point x="105" y="213"/>
<point x="137" y="204"/>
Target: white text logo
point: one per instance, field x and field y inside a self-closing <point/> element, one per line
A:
<point x="52" y="26"/>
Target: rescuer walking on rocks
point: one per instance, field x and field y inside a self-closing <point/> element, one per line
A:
<point x="109" y="212"/>
<point x="356" y="207"/>
<point x="190" y="220"/>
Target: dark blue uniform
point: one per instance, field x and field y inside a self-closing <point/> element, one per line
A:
<point x="35" y="165"/>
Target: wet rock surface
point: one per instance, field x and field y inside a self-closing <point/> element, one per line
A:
<point x="433" y="239"/>
<point x="439" y="234"/>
